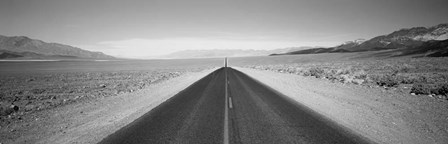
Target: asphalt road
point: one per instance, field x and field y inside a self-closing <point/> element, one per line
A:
<point x="248" y="112"/>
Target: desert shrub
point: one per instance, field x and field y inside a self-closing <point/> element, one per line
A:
<point x="360" y="74"/>
<point x="408" y="79"/>
<point x="441" y="89"/>
<point x="387" y="80"/>
<point x="421" y="88"/>
<point x="306" y="73"/>
<point x="437" y="89"/>
<point x="316" y="71"/>
<point x="344" y="75"/>
<point x="291" y="70"/>
<point x="350" y="79"/>
<point x="388" y="72"/>
<point x="343" y="71"/>
<point x="332" y="75"/>
<point x="346" y="78"/>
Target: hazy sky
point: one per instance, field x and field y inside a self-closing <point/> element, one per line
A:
<point x="139" y="28"/>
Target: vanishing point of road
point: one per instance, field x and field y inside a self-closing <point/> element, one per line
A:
<point x="228" y="106"/>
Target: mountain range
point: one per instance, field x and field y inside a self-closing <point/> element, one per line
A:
<point x="21" y="47"/>
<point x="425" y="41"/>
<point x="417" y="41"/>
<point x="228" y="53"/>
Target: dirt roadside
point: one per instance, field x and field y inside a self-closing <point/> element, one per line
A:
<point x="91" y="121"/>
<point x="384" y="116"/>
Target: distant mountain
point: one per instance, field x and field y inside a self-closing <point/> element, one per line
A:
<point x="431" y="48"/>
<point x="6" y="54"/>
<point x="228" y="53"/>
<point x="411" y="38"/>
<point x="24" y="47"/>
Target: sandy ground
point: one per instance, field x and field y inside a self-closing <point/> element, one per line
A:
<point x="384" y="116"/>
<point x="91" y="121"/>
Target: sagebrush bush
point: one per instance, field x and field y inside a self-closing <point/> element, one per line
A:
<point x="346" y="78"/>
<point x="437" y="89"/>
<point x="441" y="89"/>
<point x="387" y="80"/>
<point x="360" y="74"/>
<point x="388" y="73"/>
<point x="316" y="72"/>
<point x="421" y="88"/>
<point x="343" y="72"/>
<point x="408" y="79"/>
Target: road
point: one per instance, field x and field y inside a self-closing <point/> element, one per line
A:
<point x="228" y="106"/>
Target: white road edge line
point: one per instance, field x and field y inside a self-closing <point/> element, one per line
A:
<point x="226" y="112"/>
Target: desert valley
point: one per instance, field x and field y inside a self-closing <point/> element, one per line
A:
<point x="205" y="71"/>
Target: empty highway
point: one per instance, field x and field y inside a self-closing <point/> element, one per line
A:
<point x="228" y="106"/>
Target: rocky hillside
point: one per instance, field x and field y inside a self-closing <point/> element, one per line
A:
<point x="24" y="47"/>
<point x="404" y="38"/>
<point x="432" y="48"/>
<point x="411" y="38"/>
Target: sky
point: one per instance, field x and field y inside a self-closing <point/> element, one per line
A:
<point x="145" y="28"/>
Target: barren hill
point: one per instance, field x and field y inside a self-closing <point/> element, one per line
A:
<point x="24" y="47"/>
<point x="404" y="41"/>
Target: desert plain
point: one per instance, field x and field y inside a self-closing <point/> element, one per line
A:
<point x="388" y="100"/>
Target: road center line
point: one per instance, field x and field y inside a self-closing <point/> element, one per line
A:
<point x="226" y="112"/>
<point x="230" y="102"/>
